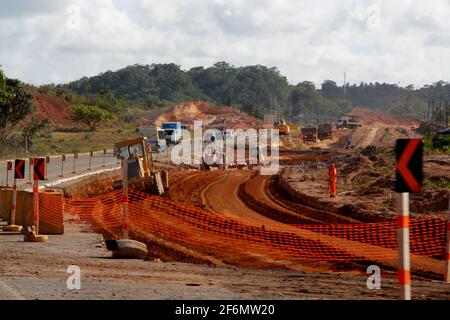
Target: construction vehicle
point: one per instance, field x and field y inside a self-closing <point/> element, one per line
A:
<point x="309" y="134"/>
<point x="156" y="137"/>
<point x="325" y="131"/>
<point x="346" y="121"/>
<point x="172" y="132"/>
<point x="282" y="127"/>
<point x="142" y="174"/>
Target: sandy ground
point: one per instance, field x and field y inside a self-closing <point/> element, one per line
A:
<point x="38" y="271"/>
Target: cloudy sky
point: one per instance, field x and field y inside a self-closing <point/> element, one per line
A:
<point x="404" y="42"/>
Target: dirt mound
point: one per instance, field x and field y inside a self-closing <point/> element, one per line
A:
<point x="381" y="136"/>
<point x="189" y="112"/>
<point x="370" y="117"/>
<point x="54" y="108"/>
<point x="428" y="126"/>
<point x="140" y="117"/>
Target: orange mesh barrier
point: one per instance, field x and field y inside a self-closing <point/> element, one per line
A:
<point x="217" y="235"/>
<point x="51" y="208"/>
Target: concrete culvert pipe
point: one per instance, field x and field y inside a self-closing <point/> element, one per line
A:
<point x="127" y="249"/>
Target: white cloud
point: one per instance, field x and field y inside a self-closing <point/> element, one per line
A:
<point x="386" y="41"/>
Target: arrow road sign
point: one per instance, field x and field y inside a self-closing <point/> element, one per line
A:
<point x="409" y="173"/>
<point x="19" y="169"/>
<point x="39" y="168"/>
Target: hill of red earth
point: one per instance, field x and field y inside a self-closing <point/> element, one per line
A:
<point x="370" y="117"/>
<point x="227" y="117"/>
<point x="54" y="108"/>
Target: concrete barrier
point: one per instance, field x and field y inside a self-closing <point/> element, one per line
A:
<point x="24" y="211"/>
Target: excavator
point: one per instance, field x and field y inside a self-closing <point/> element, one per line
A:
<point x="142" y="174"/>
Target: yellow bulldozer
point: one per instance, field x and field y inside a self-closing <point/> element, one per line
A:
<point x="282" y="127"/>
<point x="142" y="174"/>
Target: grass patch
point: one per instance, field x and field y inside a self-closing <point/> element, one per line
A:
<point x="436" y="143"/>
<point x="69" y="142"/>
<point x="437" y="183"/>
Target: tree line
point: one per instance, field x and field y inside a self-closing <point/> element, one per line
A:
<point x="257" y="90"/>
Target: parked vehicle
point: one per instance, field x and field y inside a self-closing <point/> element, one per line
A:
<point x="325" y="131"/>
<point x="172" y="132"/>
<point x="155" y="137"/>
<point x="345" y="121"/>
<point x="309" y="134"/>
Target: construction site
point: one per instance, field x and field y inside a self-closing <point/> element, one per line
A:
<point x="224" y="230"/>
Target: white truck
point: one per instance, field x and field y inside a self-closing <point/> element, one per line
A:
<point x="155" y="137"/>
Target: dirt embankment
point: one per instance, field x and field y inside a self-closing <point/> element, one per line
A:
<point x="365" y="186"/>
<point x="56" y="109"/>
<point x="372" y="118"/>
<point x="187" y="113"/>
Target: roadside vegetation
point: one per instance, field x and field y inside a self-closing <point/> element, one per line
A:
<point x="435" y="143"/>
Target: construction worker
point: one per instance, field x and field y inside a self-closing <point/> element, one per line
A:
<point x="332" y="174"/>
<point x="348" y="143"/>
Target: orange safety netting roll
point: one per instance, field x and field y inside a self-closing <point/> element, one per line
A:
<point x="158" y="219"/>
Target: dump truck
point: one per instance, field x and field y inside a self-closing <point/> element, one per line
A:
<point x="172" y="132"/>
<point x="346" y="121"/>
<point x="309" y="133"/>
<point x="325" y="131"/>
<point x="142" y="174"/>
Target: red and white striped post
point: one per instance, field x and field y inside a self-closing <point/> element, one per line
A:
<point x="63" y="159"/>
<point x="75" y="156"/>
<point x="8" y="168"/>
<point x="47" y="161"/>
<point x="104" y="155"/>
<point x="125" y="225"/>
<point x="36" y="205"/>
<point x="14" y="203"/>
<point x="30" y="171"/>
<point x="91" y="154"/>
<point x="404" y="267"/>
<point x="447" y="251"/>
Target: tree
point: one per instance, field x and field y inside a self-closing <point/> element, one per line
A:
<point x="15" y="105"/>
<point x="91" y="115"/>
<point x="34" y="129"/>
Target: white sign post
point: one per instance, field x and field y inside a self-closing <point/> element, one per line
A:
<point x="404" y="267"/>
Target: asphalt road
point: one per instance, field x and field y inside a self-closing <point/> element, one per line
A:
<point x="70" y="168"/>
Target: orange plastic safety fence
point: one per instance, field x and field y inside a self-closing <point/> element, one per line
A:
<point x="213" y="234"/>
<point x="51" y="208"/>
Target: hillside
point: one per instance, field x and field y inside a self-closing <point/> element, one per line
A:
<point x="189" y="112"/>
<point x="255" y="90"/>
<point x="54" y="108"/>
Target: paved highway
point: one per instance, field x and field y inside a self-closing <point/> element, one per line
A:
<point x="99" y="162"/>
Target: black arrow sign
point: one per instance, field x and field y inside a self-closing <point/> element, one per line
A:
<point x="19" y="169"/>
<point x="39" y="169"/>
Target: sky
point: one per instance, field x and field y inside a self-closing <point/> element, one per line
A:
<point x="402" y="42"/>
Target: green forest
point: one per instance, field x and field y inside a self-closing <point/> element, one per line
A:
<point x="255" y="89"/>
